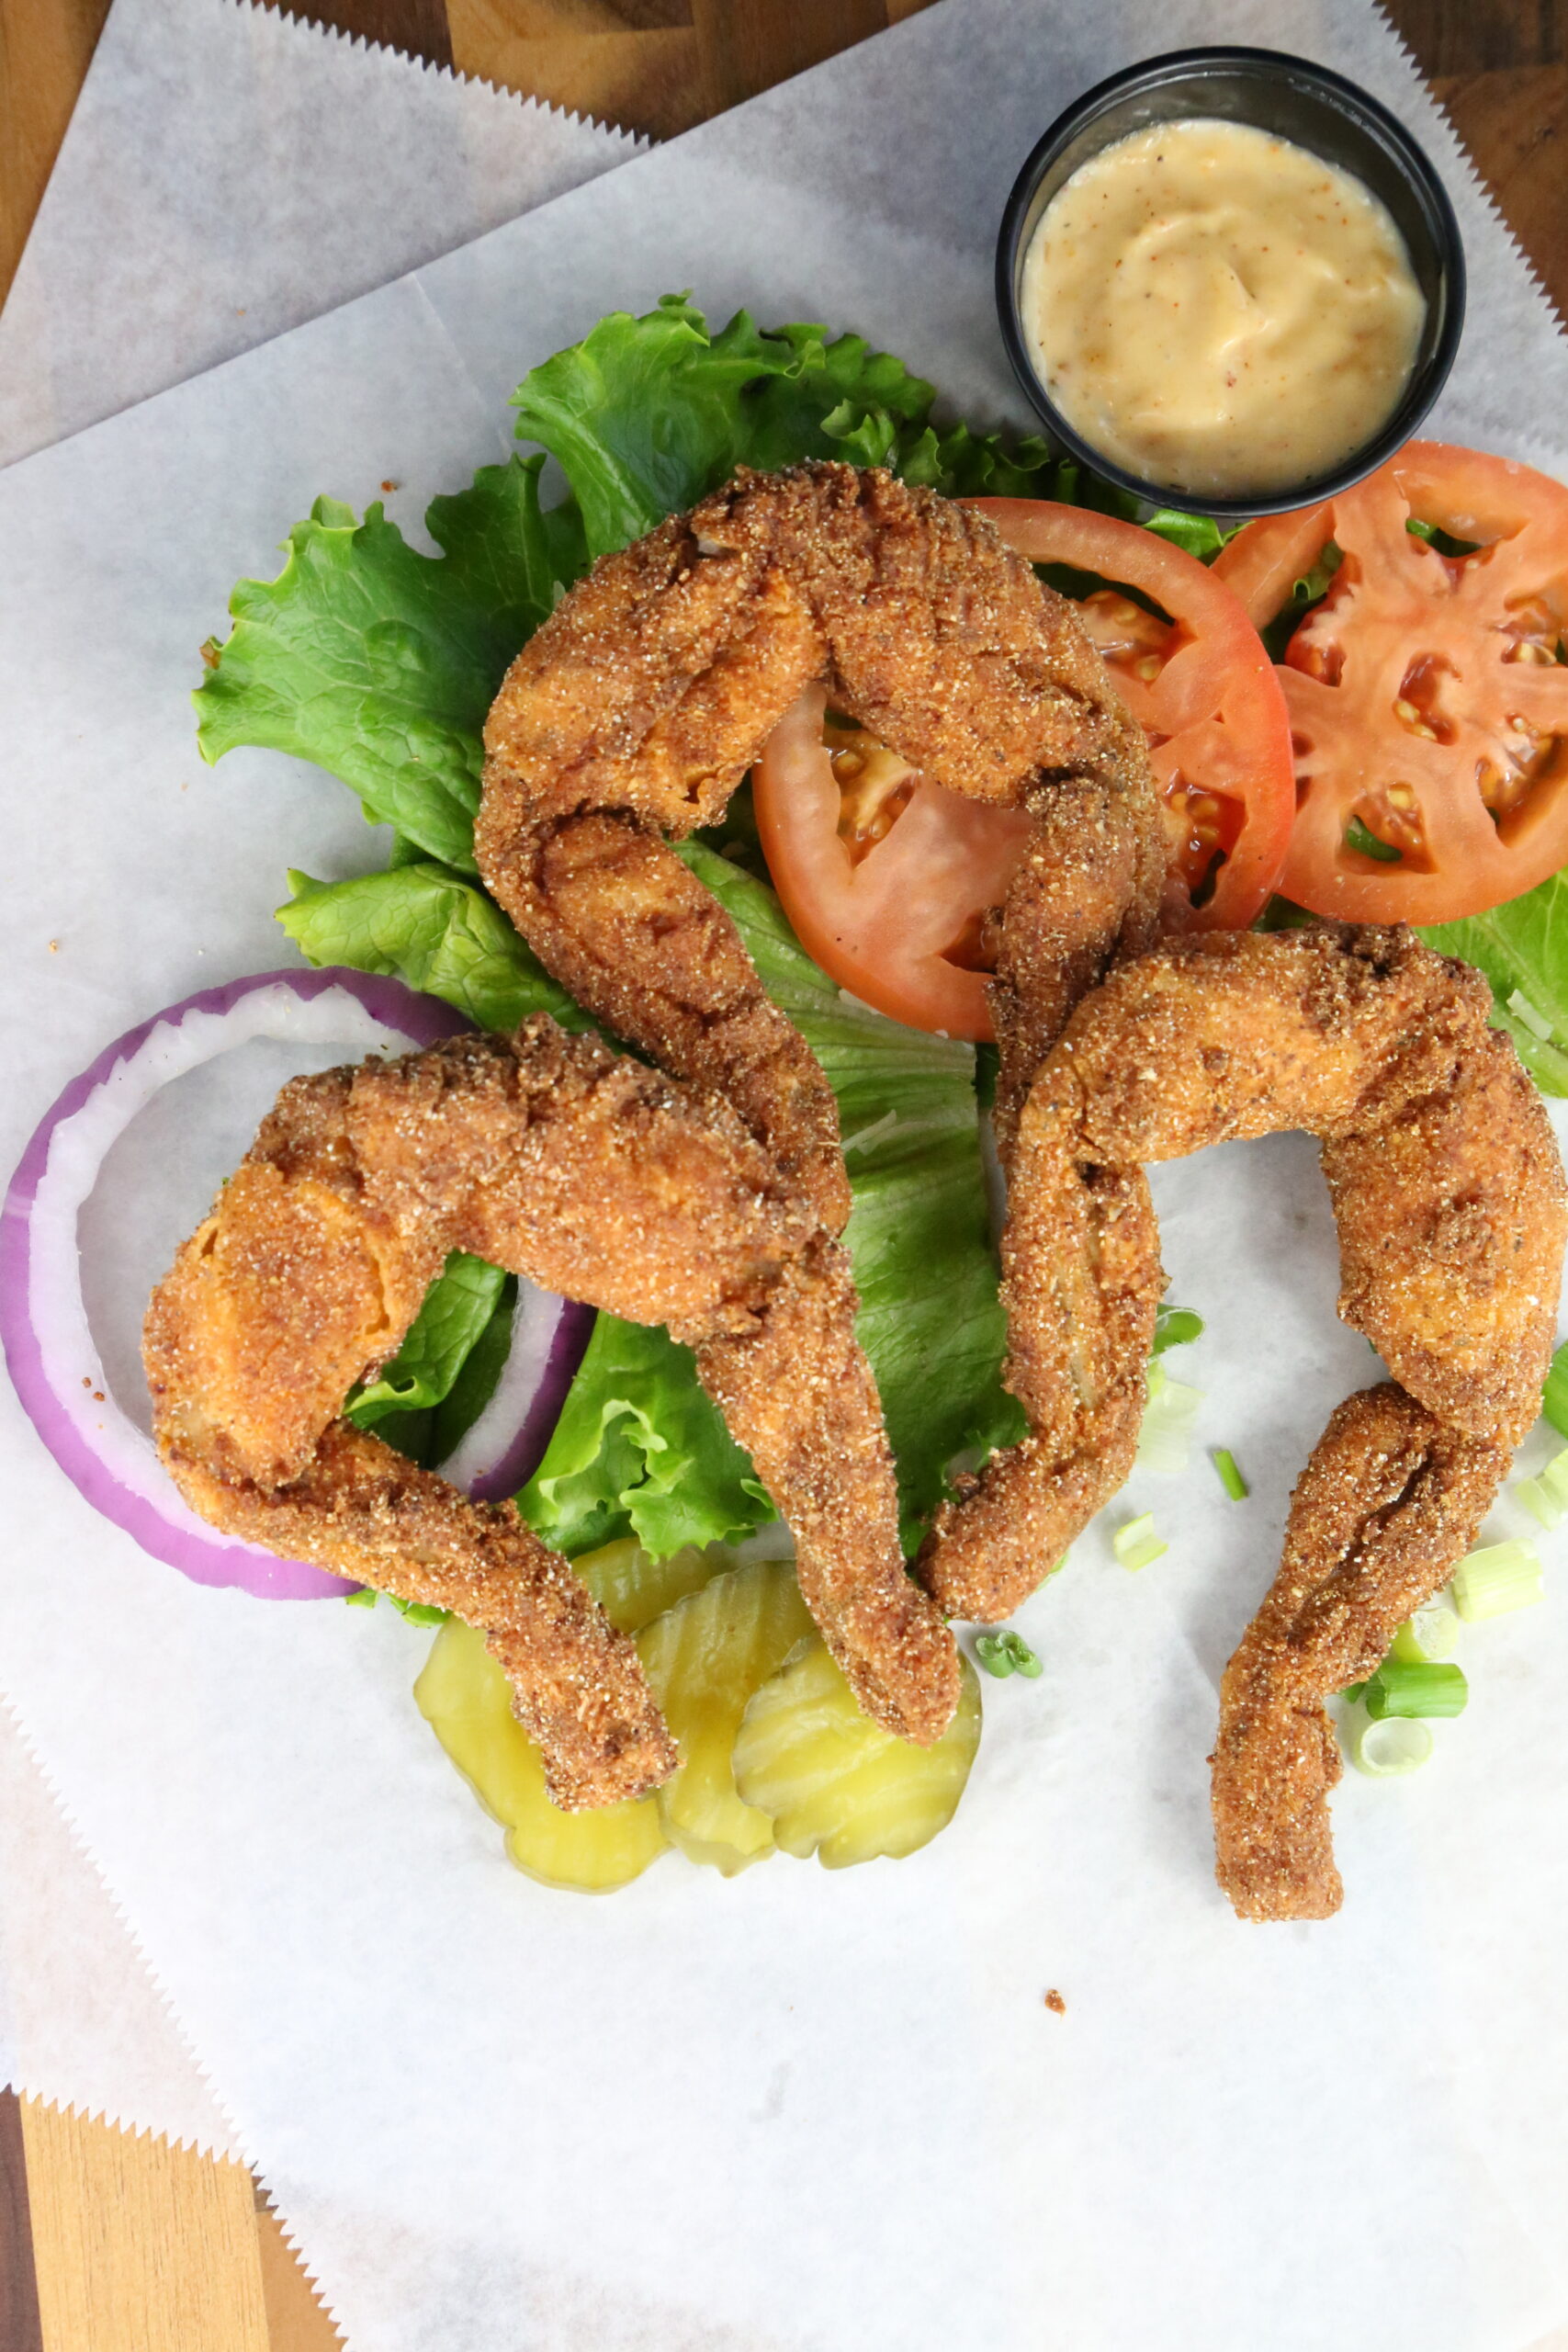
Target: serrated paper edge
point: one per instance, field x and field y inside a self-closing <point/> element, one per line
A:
<point x="639" y="142"/>
<point x="1469" y="170"/>
<point x="241" y="2152"/>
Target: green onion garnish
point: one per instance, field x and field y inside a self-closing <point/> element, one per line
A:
<point x="1392" y="1743"/>
<point x="1432" y="1633"/>
<point x="1554" y="1396"/>
<point x="1005" y="1654"/>
<point x="1359" y="837"/>
<point x="1231" y="1479"/>
<point x="1523" y="1010"/>
<point x="1400" y="1690"/>
<point x="1169" y="1417"/>
<point x="417" y="1612"/>
<point x="1492" y="1582"/>
<point x="1546" y="1498"/>
<point x="1136" y="1546"/>
<point x="1176" y="1327"/>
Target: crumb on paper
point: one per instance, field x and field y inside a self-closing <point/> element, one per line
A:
<point x="98" y="1395"/>
<point x="54" y="946"/>
<point x="391" y="485"/>
<point x="1055" y="2004"/>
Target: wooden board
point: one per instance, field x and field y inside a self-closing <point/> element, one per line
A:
<point x="114" y="2243"/>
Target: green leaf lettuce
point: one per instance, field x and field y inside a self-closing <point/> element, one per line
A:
<point x="380" y="664"/>
<point x="1522" y="947"/>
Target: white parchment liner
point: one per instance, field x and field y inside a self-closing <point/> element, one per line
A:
<point x="799" y="2109"/>
<point x="256" y="171"/>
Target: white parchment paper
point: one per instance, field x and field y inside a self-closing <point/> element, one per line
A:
<point x="218" y="138"/>
<point x="229" y="172"/>
<point x="797" y="2110"/>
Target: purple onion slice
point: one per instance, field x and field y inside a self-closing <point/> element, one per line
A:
<point x="506" y="1444"/>
<point x="48" y="1339"/>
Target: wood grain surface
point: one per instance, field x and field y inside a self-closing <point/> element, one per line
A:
<point x="110" y="2243"/>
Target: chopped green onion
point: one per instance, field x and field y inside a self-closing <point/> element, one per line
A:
<point x="1231" y="1479"/>
<point x="1393" y="1743"/>
<point x="1541" y="1507"/>
<point x="1496" y="1580"/>
<point x="1444" y="541"/>
<point x="1005" y="1654"/>
<point x="1360" y="837"/>
<point x="1352" y="1692"/>
<point x="1175" y="1326"/>
<point x="1168" y="1422"/>
<point x="417" y="1612"/>
<point x="1400" y="1690"/>
<point x="1554" y="1396"/>
<point x="1136" y="1546"/>
<point x="1432" y="1633"/>
<point x="1523" y="1010"/>
<point x="864" y="1140"/>
<point x="1546" y="1498"/>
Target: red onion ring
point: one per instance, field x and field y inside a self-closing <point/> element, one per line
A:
<point x="506" y="1444"/>
<point x="48" y="1341"/>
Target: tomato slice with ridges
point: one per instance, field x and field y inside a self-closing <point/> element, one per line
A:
<point x="1425" y="697"/>
<point x="896" y="918"/>
<point x="1214" y="711"/>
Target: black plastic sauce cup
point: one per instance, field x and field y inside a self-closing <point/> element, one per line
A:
<point x="1291" y="99"/>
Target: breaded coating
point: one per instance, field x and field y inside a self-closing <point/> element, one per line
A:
<point x="1226" y="1035"/>
<point x="1081" y="1282"/>
<point x="1386" y="1507"/>
<point x="1446" y="1180"/>
<point x="1452" y="1213"/>
<point x="364" y="1511"/>
<point x="797" y="1390"/>
<point x="1451" y="1221"/>
<point x="593" y="1177"/>
<point x="1085" y="897"/>
<point x="635" y="709"/>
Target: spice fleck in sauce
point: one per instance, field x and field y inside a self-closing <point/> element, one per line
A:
<point x="1218" y="309"/>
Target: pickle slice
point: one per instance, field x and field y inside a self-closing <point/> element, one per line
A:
<point x="834" y="1783"/>
<point x="466" y="1701"/>
<point x="632" y="1587"/>
<point x="704" y="1658"/>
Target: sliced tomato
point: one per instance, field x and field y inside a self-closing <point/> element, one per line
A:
<point x="1429" y="704"/>
<point x="888" y="878"/>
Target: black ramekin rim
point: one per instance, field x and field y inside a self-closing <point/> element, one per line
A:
<point x="1426" y="383"/>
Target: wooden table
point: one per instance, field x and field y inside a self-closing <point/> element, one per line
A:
<point x="109" y="2243"/>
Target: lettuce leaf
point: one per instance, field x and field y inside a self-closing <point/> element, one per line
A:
<point x="445" y="1373"/>
<point x="427" y="925"/>
<point x="645" y="415"/>
<point x="380" y="664"/>
<point x="1522" y="947"/>
<point x="640" y="1450"/>
<point x="457" y="1305"/>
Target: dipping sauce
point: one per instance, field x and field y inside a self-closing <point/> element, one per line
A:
<point x="1216" y="308"/>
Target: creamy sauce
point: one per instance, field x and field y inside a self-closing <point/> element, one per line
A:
<point x="1218" y="309"/>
